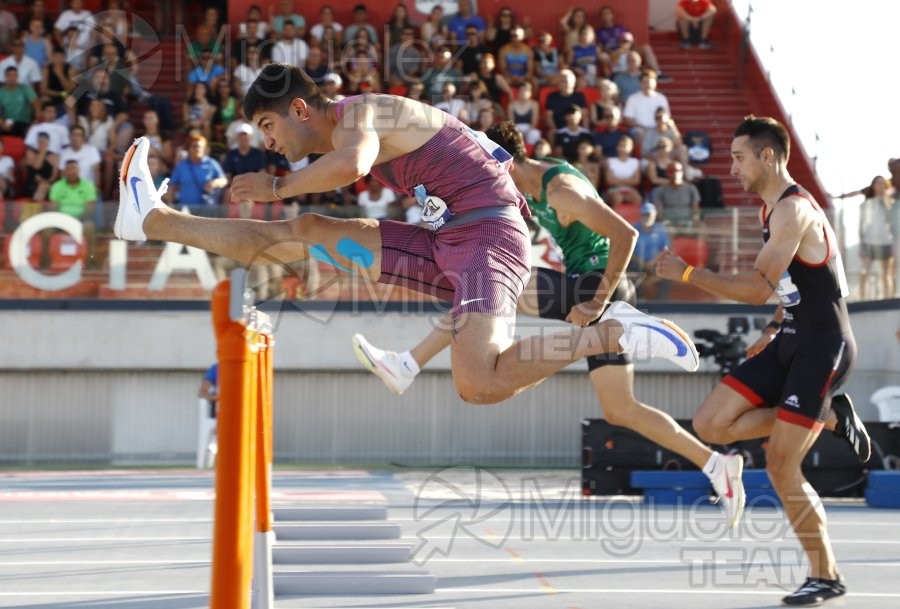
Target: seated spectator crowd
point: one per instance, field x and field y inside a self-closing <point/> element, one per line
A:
<point x="72" y="98"/>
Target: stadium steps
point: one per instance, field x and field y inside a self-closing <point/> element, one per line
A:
<point x="705" y="96"/>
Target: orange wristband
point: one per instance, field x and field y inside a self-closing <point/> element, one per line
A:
<point x="686" y="275"/>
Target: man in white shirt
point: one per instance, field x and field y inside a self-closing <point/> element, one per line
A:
<point x="376" y="199"/>
<point x="641" y="107"/>
<point x="57" y="132"/>
<point x="326" y="15"/>
<point x="80" y="18"/>
<point x="29" y="70"/>
<point x="290" y="49"/>
<point x="451" y="105"/>
<point x="87" y="155"/>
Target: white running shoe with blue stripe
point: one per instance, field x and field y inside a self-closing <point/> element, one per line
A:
<point x="646" y="337"/>
<point x="137" y="194"/>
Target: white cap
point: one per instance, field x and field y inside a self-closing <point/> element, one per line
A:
<point x="332" y="78"/>
<point x="245" y="128"/>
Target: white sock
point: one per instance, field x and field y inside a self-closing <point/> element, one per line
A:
<point x="409" y="361"/>
<point x="711" y="465"/>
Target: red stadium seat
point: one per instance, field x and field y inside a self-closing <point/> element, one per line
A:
<point x="13" y="147"/>
<point x="693" y="251"/>
<point x="629" y="211"/>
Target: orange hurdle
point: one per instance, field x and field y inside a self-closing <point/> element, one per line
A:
<point x="242" y="553"/>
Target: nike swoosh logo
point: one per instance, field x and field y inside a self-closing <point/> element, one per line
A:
<point x="463" y="303"/>
<point x="681" y="348"/>
<point x="137" y="202"/>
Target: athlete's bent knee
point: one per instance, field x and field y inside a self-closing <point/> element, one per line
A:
<point x="478" y="392"/>
<point x="709" y="430"/>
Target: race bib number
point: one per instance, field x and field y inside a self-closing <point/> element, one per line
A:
<point x="434" y="209"/>
<point x="788" y="291"/>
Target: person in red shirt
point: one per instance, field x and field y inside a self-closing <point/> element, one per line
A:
<point x="695" y="18"/>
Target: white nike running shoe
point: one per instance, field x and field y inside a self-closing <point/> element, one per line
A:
<point x="137" y="195"/>
<point x="646" y="336"/>
<point x="386" y="365"/>
<point x="727" y="483"/>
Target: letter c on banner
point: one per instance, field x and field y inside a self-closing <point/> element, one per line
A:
<point x="21" y="239"/>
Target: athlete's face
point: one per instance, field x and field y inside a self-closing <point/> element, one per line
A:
<point x="290" y="136"/>
<point x="746" y="166"/>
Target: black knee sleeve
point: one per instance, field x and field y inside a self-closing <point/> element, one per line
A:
<point x="607" y="359"/>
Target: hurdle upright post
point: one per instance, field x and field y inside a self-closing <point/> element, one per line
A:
<point x="243" y="464"/>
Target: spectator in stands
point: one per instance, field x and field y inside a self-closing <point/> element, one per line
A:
<point x="694" y="19"/>
<point x="82" y="20"/>
<point x="497" y="85"/>
<point x="629" y="80"/>
<point x="486" y="119"/>
<point x="41" y="169"/>
<point x="665" y="127"/>
<point x="406" y="58"/>
<point x="463" y="19"/>
<point x="525" y="112"/>
<point x="452" y="105"/>
<point x="86" y="155"/>
<point x="326" y="21"/>
<point x="198" y="109"/>
<point x="623" y="175"/>
<point x="316" y="67"/>
<point x="209" y="72"/>
<point x="198" y="180"/>
<point x="416" y="91"/>
<point x="158" y="141"/>
<point x="608" y="96"/>
<point x="29" y="72"/>
<point x="290" y="49"/>
<point x="58" y="78"/>
<point x="480" y="100"/>
<point x="399" y="21"/>
<point x="588" y="162"/>
<point x="640" y="109"/>
<point x="442" y="71"/>
<point x="37" y="44"/>
<point x="75" y="196"/>
<point x="37" y="10"/>
<point x="678" y="202"/>
<point x="244" y="157"/>
<point x="658" y="162"/>
<point x="434" y="30"/>
<point x="876" y="239"/>
<point x="609" y="130"/>
<point x="361" y="22"/>
<point x="250" y="37"/>
<point x="376" y="200"/>
<point x="652" y="239"/>
<point x="7" y="175"/>
<point x="584" y="57"/>
<point x="254" y="15"/>
<point x="547" y="62"/>
<point x="499" y="33"/>
<point x="331" y="87"/>
<point x="362" y="75"/>
<point x="18" y="104"/>
<point x="571" y="24"/>
<point x="113" y="22"/>
<point x="98" y="125"/>
<point x="473" y="50"/>
<point x="204" y="40"/>
<point x="246" y="73"/>
<point x="331" y="48"/>
<point x="542" y="149"/>
<point x="516" y="60"/>
<point x="572" y="133"/>
<point x="609" y="35"/>
<point x="559" y="101"/>
<point x="9" y="27"/>
<point x="227" y="106"/>
<point x="57" y="133"/>
<point x="286" y="10"/>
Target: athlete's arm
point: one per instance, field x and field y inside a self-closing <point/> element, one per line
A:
<point x="787" y="225"/>
<point x="356" y="147"/>
<point x="574" y="200"/>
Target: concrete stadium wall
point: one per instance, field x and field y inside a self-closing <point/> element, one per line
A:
<point x="120" y="386"/>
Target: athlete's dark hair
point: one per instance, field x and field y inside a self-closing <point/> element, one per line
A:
<point x="765" y="132"/>
<point x="510" y="139"/>
<point x="277" y="86"/>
